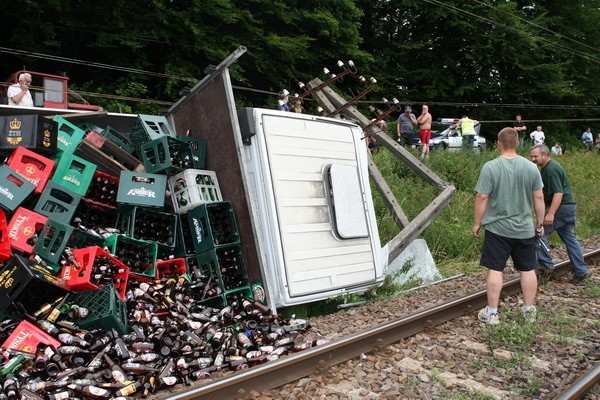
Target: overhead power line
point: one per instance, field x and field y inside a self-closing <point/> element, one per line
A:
<point x="567" y="49"/>
<point x="561" y="36"/>
<point x="93" y="64"/>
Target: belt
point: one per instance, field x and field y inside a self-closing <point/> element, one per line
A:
<point x="567" y="204"/>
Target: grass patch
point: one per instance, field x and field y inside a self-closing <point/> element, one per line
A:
<point x="449" y="234"/>
<point x="532" y="388"/>
<point x="411" y="383"/>
<point x="592" y="288"/>
<point x="469" y="395"/>
<point x="513" y="333"/>
<point x="565" y="329"/>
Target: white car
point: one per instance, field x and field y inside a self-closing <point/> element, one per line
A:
<point x="451" y="139"/>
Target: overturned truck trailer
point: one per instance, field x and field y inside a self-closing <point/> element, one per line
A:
<point x="300" y="189"/>
<point x="299" y="185"/>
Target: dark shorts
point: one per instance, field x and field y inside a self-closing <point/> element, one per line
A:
<point x="497" y="249"/>
<point x="425" y="136"/>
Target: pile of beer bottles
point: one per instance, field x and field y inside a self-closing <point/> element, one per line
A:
<point x="121" y="276"/>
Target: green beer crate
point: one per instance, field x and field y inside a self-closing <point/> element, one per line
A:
<point x="227" y="265"/>
<point x="52" y="242"/>
<point x="69" y="135"/>
<point x="107" y="310"/>
<point x="118" y="138"/>
<point x="198" y="147"/>
<point x="138" y="255"/>
<point x="148" y="128"/>
<point x="141" y="189"/>
<point x="212" y="225"/>
<point x="166" y="155"/>
<point x="14" y="189"/>
<point x="58" y="202"/>
<point x="74" y="173"/>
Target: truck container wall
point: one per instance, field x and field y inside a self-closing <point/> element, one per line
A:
<point x="299" y="188"/>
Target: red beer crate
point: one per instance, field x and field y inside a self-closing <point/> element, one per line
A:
<point x="36" y="168"/>
<point x="172" y="268"/>
<point x="5" y="252"/>
<point x="80" y="278"/>
<point x="23" y="225"/>
<point x="26" y="337"/>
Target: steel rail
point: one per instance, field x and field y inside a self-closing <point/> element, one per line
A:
<point x="581" y="386"/>
<point x="302" y="364"/>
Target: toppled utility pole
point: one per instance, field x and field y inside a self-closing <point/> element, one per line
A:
<point x="333" y="104"/>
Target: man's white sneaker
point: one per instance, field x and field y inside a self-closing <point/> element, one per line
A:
<point x="488" y="318"/>
<point x="530" y="315"/>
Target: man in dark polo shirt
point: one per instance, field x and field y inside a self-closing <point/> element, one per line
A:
<point x="560" y="214"/>
<point x="520" y="128"/>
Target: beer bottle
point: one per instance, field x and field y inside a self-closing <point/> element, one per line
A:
<point x="12" y="365"/>
<point x="117" y="373"/>
<point x="129" y="389"/>
<point x="46" y="308"/>
<point x="95" y="392"/>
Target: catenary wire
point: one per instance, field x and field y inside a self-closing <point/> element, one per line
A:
<point x="514" y="30"/>
<point x="561" y="36"/>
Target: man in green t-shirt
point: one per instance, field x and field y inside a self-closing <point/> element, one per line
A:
<point x="560" y="214"/>
<point x="508" y="189"/>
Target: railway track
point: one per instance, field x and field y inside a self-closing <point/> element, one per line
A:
<point x="320" y="358"/>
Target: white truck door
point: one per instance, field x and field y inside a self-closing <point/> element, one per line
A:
<point x="322" y="204"/>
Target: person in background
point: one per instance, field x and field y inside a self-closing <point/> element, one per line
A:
<point x="560" y="214"/>
<point x="404" y="127"/>
<point x="557" y="150"/>
<point x="588" y="139"/>
<point x="282" y="104"/>
<point x="19" y="94"/>
<point x="520" y="127"/>
<point x="297" y="105"/>
<point x="467" y="131"/>
<point x="598" y="143"/>
<point x="370" y="140"/>
<point x="509" y="188"/>
<point x="537" y="136"/>
<point x="425" y="130"/>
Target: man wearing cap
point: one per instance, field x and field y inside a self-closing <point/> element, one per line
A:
<point x="404" y="127"/>
<point x="282" y="104"/>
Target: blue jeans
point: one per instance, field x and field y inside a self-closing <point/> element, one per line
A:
<point x="564" y="225"/>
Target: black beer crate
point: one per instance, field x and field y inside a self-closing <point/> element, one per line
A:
<point x="27" y="285"/>
<point x="93" y="215"/>
<point x="33" y="132"/>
